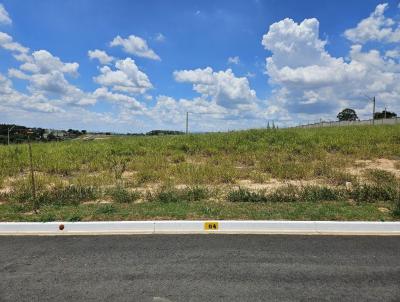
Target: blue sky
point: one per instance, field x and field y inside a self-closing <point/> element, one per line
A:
<point x="232" y="64"/>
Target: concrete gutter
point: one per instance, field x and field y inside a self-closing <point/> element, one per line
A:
<point x="201" y="227"/>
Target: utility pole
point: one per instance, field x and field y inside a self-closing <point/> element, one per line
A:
<point x="373" y="112"/>
<point x="187" y="122"/>
<point x="385" y="112"/>
<point x="8" y="134"/>
<point x="35" y="203"/>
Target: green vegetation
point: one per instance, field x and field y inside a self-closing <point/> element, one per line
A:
<point x="347" y="173"/>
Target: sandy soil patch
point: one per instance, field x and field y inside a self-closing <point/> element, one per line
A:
<point x="273" y="184"/>
<point x="384" y="164"/>
<point x="5" y="190"/>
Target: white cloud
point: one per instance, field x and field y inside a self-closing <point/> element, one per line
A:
<point x="6" y="42"/>
<point x="4" y="17"/>
<point x="160" y="37"/>
<point x="223" y="87"/>
<point x="43" y="62"/>
<point x="204" y="115"/>
<point x="125" y="78"/>
<point x="234" y="60"/>
<point x="100" y="55"/>
<point x="310" y="83"/>
<point x="136" y="46"/>
<point x="12" y="98"/>
<point x="376" y="27"/>
<point x="250" y="74"/>
<point x="125" y="100"/>
<point x="393" y="53"/>
<point x="51" y="97"/>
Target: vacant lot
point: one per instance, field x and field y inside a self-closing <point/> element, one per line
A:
<point x="347" y="173"/>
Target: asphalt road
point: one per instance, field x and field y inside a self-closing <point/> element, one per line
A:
<point x="199" y="268"/>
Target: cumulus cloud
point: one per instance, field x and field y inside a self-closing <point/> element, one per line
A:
<point x="128" y="102"/>
<point x="376" y="27"/>
<point x="6" y="42"/>
<point x="15" y="99"/>
<point x="46" y="76"/>
<point x="51" y="96"/>
<point x="4" y="17"/>
<point x="309" y="82"/>
<point x="136" y="46"/>
<point x="234" y="60"/>
<point x="223" y="87"/>
<point x="100" y="55"/>
<point x="42" y="62"/>
<point x="393" y="53"/>
<point x="125" y="78"/>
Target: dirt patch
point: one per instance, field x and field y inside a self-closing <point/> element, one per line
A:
<point x="383" y="210"/>
<point x="129" y="174"/>
<point x="384" y="164"/>
<point x="5" y="191"/>
<point x="273" y="184"/>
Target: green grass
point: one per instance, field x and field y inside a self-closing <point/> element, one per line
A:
<point x="143" y="174"/>
<point x="337" y="210"/>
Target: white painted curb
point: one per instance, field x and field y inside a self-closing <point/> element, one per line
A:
<point x="201" y="227"/>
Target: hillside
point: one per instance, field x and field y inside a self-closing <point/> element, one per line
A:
<point x="328" y="173"/>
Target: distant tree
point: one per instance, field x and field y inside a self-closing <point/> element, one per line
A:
<point x="84" y="131"/>
<point x="51" y="137"/>
<point x="347" y="114"/>
<point x="381" y="115"/>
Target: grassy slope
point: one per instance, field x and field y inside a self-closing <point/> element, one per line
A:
<point x="133" y="172"/>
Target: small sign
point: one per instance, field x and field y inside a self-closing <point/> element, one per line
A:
<point x="211" y="226"/>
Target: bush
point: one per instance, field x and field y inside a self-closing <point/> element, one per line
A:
<point x="288" y="194"/>
<point x="317" y="193"/>
<point x="69" y="195"/>
<point x="121" y="195"/>
<point x="196" y="194"/>
<point x="372" y="193"/>
<point x="174" y="195"/>
<point x="396" y="208"/>
<point x="244" y="195"/>
<point x="285" y="194"/>
<point x="381" y="177"/>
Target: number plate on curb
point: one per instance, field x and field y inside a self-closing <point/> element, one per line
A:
<point x="210" y="226"/>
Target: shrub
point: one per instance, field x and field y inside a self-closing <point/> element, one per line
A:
<point x="381" y="177"/>
<point x="396" y="207"/>
<point x="196" y="193"/>
<point x="287" y="194"/>
<point x="244" y="195"/>
<point x="174" y="195"/>
<point x="69" y="195"/>
<point x="284" y="194"/>
<point x="121" y="195"/>
<point x="318" y="193"/>
<point x="371" y="193"/>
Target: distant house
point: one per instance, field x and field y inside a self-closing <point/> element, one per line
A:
<point x="54" y="133"/>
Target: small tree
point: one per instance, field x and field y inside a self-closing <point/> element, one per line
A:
<point x="347" y="114"/>
<point x="383" y="114"/>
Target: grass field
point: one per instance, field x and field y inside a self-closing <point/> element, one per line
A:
<point x="350" y="173"/>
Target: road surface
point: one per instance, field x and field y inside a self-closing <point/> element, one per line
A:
<point x="199" y="268"/>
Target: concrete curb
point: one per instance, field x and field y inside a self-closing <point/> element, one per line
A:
<point x="201" y="227"/>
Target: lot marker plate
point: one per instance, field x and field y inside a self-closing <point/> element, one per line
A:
<point x="211" y="225"/>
